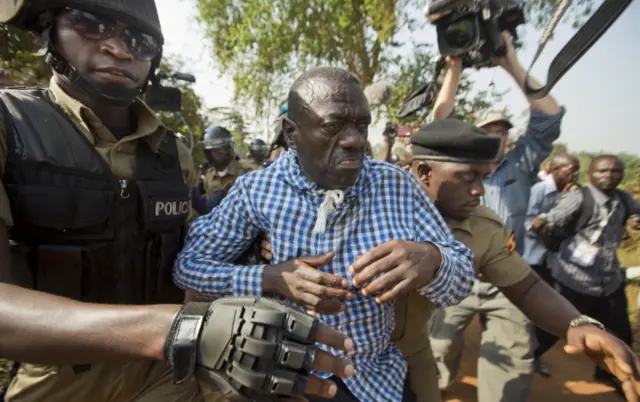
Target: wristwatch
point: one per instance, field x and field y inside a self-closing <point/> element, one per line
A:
<point x="585" y="320"/>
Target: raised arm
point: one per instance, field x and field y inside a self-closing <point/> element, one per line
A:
<point x="446" y="100"/>
<point x="564" y="210"/>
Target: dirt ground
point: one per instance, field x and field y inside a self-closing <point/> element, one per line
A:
<point x="570" y="379"/>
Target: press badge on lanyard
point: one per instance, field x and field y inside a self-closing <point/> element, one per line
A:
<point x="586" y="253"/>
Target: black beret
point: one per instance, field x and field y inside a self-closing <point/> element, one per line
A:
<point x="452" y="140"/>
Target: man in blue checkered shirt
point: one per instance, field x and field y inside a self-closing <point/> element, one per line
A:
<point x="349" y="234"/>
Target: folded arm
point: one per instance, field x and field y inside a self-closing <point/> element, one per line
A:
<point x="213" y="242"/>
<point x="564" y="211"/>
<point x="454" y="279"/>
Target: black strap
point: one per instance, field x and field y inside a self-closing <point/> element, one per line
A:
<point x="586" y="210"/>
<point x="424" y="96"/>
<point x="181" y="346"/>
<point x="579" y="44"/>
<point x="625" y="201"/>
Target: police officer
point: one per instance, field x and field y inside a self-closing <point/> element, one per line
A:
<point x="94" y="194"/>
<point x="259" y="152"/>
<point x="508" y="187"/>
<point x="451" y="158"/>
<point x="222" y="167"/>
<point x="279" y="144"/>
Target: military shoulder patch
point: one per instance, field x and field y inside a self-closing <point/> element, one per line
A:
<point x="511" y="244"/>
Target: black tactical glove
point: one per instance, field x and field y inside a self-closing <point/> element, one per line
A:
<point x="249" y="348"/>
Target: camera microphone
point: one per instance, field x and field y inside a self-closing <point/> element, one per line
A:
<point x="378" y="93"/>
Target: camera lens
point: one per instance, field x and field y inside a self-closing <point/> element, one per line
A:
<point x="460" y="34"/>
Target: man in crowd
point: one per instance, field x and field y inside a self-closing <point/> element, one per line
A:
<point x="349" y="234"/>
<point x="220" y="171"/>
<point x="259" y="152"/>
<point x="563" y="172"/>
<point x="279" y="144"/>
<point x="94" y="195"/>
<point x="508" y="184"/>
<point x="586" y="269"/>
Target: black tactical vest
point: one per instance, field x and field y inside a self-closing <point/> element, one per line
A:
<point x="85" y="233"/>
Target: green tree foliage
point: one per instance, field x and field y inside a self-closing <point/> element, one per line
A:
<point x="538" y="12"/>
<point x="265" y="44"/>
<point x="18" y="57"/>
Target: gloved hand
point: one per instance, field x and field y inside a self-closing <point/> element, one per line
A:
<point x="254" y="349"/>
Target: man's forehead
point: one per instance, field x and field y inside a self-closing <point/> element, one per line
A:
<point x="336" y="107"/>
<point x="461" y="167"/>
<point x="608" y="163"/>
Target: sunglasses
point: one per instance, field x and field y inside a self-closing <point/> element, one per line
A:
<point x="141" y="45"/>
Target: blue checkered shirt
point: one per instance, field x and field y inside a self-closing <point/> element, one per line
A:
<point x="385" y="203"/>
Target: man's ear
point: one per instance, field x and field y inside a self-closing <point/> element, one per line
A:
<point x="424" y="172"/>
<point x="289" y="130"/>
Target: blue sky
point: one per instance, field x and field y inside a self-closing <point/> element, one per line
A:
<point x="599" y="92"/>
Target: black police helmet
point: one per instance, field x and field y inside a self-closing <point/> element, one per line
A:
<point x="26" y="14"/>
<point x="257" y="144"/>
<point x="217" y="137"/>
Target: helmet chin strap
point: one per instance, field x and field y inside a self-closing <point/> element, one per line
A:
<point x="110" y="94"/>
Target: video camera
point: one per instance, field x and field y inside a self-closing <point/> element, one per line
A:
<point x="166" y="99"/>
<point x="472" y="29"/>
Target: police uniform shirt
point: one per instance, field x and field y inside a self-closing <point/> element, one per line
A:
<point x="214" y="181"/>
<point x="494" y="247"/>
<point x="120" y="155"/>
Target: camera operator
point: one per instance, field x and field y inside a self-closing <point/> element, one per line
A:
<point x="508" y="331"/>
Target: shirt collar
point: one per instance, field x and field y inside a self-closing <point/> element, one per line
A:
<point x="550" y="185"/>
<point x="599" y="197"/>
<point x="149" y="126"/>
<point x="288" y="167"/>
<point x="455" y="224"/>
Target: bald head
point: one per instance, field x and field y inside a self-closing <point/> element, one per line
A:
<point x="327" y="124"/>
<point x="559" y="160"/>
<point x="564" y="169"/>
<point x="317" y="85"/>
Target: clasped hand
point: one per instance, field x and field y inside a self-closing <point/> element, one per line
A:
<point x="386" y="272"/>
